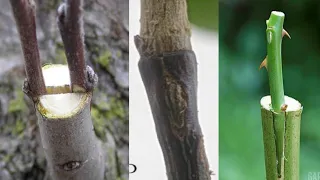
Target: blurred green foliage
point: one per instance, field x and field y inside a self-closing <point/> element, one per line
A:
<point x="242" y="48"/>
<point x="204" y="13"/>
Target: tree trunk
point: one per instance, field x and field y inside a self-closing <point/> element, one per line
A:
<point x="106" y="44"/>
<point x="290" y="161"/>
<point x="168" y="69"/>
<point x="71" y="147"/>
<point x="68" y="139"/>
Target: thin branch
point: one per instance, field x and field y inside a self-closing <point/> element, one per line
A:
<point x="24" y="14"/>
<point x="71" y="29"/>
<point x="274" y="38"/>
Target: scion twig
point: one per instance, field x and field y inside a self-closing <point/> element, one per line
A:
<point x="24" y="14"/>
<point x="71" y="29"/>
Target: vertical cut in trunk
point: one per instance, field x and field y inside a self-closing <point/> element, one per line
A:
<point x="68" y="139"/>
<point x="168" y="68"/>
<point x="292" y="139"/>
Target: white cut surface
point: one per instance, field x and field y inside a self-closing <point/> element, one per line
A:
<point x="56" y="75"/>
<point x="293" y="105"/>
<point x="278" y="13"/>
<point x="59" y="104"/>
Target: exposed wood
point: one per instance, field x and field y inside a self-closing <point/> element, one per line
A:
<point x="72" y="150"/>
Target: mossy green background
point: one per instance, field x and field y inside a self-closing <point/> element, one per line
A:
<point x="242" y="48"/>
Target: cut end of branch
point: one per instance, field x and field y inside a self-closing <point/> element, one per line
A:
<point x="277" y="13"/>
<point x="56" y="75"/>
<point x="276" y="19"/>
<point x="290" y="103"/>
<point x="63" y="103"/>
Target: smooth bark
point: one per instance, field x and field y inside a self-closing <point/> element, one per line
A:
<point x="292" y="145"/>
<point x="290" y="162"/>
<point x="71" y="29"/>
<point x="24" y="14"/>
<point x="72" y="150"/>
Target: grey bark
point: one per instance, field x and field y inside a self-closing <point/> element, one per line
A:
<point x="72" y="150"/>
<point x="106" y="38"/>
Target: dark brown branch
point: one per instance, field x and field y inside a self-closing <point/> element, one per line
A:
<point x="24" y="14"/>
<point x="171" y="84"/>
<point x="71" y="29"/>
<point x="168" y="69"/>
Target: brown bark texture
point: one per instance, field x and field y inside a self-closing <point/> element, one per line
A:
<point x="70" y="24"/>
<point x="24" y="14"/>
<point x="164" y="27"/>
<point x="168" y="69"/>
<point x="170" y="80"/>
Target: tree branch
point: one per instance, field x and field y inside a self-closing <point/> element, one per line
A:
<point x="71" y="29"/>
<point x="24" y="14"/>
<point x="69" y="142"/>
<point x="168" y="68"/>
<point x="68" y="139"/>
<point x="164" y="26"/>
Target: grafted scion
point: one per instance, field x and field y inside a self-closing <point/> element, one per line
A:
<point x="24" y="15"/>
<point x="62" y="95"/>
<point x="71" y="29"/>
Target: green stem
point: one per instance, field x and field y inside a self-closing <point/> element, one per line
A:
<point x="292" y="145"/>
<point x="274" y="37"/>
<point x="281" y="126"/>
<point x="269" y="143"/>
<point x="292" y="140"/>
<point x="274" y="64"/>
